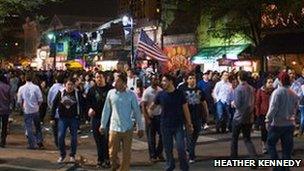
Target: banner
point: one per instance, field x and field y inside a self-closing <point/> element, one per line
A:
<point x="179" y="57"/>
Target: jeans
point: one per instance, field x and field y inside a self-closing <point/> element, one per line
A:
<point x="230" y="118"/>
<point x="101" y="141"/>
<point x="4" y="124"/>
<point x="261" y="123"/>
<point x="42" y="111"/>
<point x="178" y="134"/>
<point x="152" y="129"/>
<point x="222" y="111"/>
<point x="285" y="134"/>
<point x="211" y="107"/>
<point x="33" y="138"/>
<point x="192" y="139"/>
<point x="302" y="118"/>
<point x="55" y="131"/>
<point x="63" y="124"/>
<point x="246" y="130"/>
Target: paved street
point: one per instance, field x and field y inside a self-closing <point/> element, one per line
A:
<point x="210" y="146"/>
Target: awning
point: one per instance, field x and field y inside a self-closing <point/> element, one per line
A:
<point x="281" y="43"/>
<point x="214" y="53"/>
<point x="74" y="65"/>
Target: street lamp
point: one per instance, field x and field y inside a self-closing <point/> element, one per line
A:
<point x="127" y="21"/>
<point x="52" y="37"/>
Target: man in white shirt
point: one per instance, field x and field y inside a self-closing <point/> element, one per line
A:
<point x="221" y="93"/>
<point x="30" y="98"/>
<point x="132" y="80"/>
<point x="152" y="119"/>
<point x="58" y="86"/>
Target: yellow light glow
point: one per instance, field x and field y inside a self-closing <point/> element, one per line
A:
<point x="294" y="63"/>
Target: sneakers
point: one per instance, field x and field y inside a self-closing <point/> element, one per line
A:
<point x="161" y="158"/>
<point x="10" y="120"/>
<point x="61" y="160"/>
<point x="264" y="150"/>
<point x="104" y="165"/>
<point x="206" y="126"/>
<point x="191" y="161"/>
<point x="153" y="160"/>
<point x="72" y="160"/>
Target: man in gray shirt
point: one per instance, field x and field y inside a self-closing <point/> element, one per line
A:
<point x="243" y="117"/>
<point x="280" y="119"/>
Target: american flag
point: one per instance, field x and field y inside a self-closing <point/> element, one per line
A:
<point x="147" y="46"/>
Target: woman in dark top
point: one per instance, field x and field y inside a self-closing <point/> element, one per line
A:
<point x="68" y="102"/>
<point x="43" y="106"/>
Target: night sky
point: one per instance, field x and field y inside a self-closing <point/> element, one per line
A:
<point x="105" y="8"/>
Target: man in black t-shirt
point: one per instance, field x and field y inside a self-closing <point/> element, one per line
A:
<point x="96" y="98"/>
<point x="198" y="107"/>
<point x="175" y="114"/>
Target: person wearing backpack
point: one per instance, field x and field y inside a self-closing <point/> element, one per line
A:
<point x="68" y="102"/>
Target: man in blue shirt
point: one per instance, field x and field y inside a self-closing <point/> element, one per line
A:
<point x="119" y="106"/>
<point x="175" y="114"/>
<point x="205" y="85"/>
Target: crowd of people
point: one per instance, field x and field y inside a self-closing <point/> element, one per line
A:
<point x="176" y="106"/>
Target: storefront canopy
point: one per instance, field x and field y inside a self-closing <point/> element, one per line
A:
<point x="74" y="65"/>
<point x="214" y="53"/>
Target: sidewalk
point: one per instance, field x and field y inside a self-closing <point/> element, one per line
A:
<point x="210" y="146"/>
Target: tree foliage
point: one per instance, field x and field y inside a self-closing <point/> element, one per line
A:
<point x="228" y="18"/>
<point x="12" y="16"/>
<point x="9" y="7"/>
<point x="169" y="8"/>
<point x="181" y="10"/>
<point x="13" y="8"/>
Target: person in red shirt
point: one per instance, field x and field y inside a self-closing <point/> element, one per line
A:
<point x="261" y="107"/>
